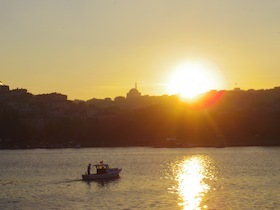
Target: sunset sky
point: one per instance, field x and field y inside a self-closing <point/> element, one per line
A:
<point x="100" y="48"/>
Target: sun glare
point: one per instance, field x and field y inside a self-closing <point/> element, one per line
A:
<point x="192" y="78"/>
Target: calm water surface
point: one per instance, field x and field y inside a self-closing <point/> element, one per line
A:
<point x="152" y="178"/>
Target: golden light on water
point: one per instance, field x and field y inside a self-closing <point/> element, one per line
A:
<point x="191" y="175"/>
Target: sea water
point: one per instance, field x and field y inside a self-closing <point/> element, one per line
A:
<point x="151" y="178"/>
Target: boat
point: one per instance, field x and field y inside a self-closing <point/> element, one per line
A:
<point x="103" y="171"/>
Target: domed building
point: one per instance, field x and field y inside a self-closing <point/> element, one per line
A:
<point x="133" y="93"/>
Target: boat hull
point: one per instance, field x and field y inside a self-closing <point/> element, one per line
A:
<point x="109" y="175"/>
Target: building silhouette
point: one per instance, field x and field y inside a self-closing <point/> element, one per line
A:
<point x="133" y="93"/>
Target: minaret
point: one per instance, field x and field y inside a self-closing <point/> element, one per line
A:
<point x="136" y="85"/>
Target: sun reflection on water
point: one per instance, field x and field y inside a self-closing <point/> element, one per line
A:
<point x="191" y="175"/>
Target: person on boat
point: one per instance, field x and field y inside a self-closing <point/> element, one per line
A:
<point x="88" y="168"/>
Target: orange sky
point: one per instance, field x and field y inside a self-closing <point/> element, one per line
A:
<point x="97" y="49"/>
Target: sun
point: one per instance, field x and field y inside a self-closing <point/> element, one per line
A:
<point x="192" y="78"/>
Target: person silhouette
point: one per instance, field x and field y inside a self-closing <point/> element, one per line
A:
<point x="88" y="168"/>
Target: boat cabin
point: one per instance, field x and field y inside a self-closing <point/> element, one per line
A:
<point x="101" y="168"/>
